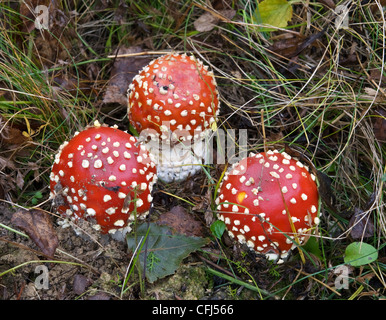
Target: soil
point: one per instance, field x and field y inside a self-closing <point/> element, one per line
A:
<point x="90" y="266"/>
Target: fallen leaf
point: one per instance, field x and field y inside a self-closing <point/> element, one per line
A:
<point x="276" y="13"/>
<point x="208" y="21"/>
<point x="217" y="228"/>
<point x="359" y="254"/>
<point x="10" y="134"/>
<point x="375" y="7"/>
<point x="20" y="180"/>
<point x="53" y="36"/>
<point x="38" y="226"/>
<point x="342" y="16"/>
<point x="328" y="3"/>
<point x="379" y="125"/>
<point x="2" y="192"/>
<point x="325" y="190"/>
<point x="295" y="44"/>
<point x="80" y="284"/>
<point x="6" y="163"/>
<point x="182" y="222"/>
<point x="203" y="205"/>
<point x="164" y="250"/>
<point x="122" y="73"/>
<point x="361" y="225"/>
<point x="29" y="12"/>
<point x="287" y="47"/>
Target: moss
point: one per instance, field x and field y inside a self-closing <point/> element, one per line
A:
<point x="188" y="283"/>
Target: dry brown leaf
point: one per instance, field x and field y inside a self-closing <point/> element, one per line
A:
<point x="19" y="179"/>
<point x="203" y="205"/>
<point x="361" y="223"/>
<point x="207" y="21"/>
<point x="287" y="47"/>
<point x="38" y="226"/>
<point x="81" y="283"/>
<point x="182" y="222"/>
<point x="6" y="163"/>
<point x="374" y="7"/>
<point x="28" y="14"/>
<point x="2" y="192"/>
<point x="328" y="3"/>
<point x="11" y="135"/>
<point x="53" y="36"/>
<point x="295" y="47"/>
<point x="123" y="71"/>
<point x="379" y="125"/>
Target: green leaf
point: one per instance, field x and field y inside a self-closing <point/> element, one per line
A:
<point x="217" y="228"/>
<point x="38" y="195"/>
<point x="360" y="253"/>
<point x="275" y="13"/>
<point x="312" y="246"/>
<point x="165" y="250"/>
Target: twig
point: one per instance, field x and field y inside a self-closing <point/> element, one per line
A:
<point x="135" y="54"/>
<point x="318" y="281"/>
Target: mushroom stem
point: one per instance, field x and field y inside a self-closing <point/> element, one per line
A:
<point x="176" y="160"/>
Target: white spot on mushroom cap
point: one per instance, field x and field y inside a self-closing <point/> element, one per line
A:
<point x="139" y="203"/>
<point x="111" y="210"/>
<point x="119" y="223"/>
<point x="106" y="198"/>
<point x="274" y="174"/>
<point x="91" y="211"/>
<point x="85" y="164"/>
<point x="98" y="164"/>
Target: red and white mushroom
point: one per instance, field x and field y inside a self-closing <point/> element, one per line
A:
<point x="174" y="102"/>
<point x="269" y="201"/>
<point x="103" y="175"/>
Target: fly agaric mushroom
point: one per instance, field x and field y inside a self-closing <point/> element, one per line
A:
<point x="174" y="101"/>
<point x="270" y="202"/>
<point x="103" y="175"/>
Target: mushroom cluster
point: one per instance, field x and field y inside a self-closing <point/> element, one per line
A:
<point x="173" y="103"/>
<point x="269" y="201"/>
<point x="102" y="174"/>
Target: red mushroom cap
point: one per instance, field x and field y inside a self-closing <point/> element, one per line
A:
<point x="270" y="202"/>
<point x="104" y="175"/>
<point x="174" y="92"/>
